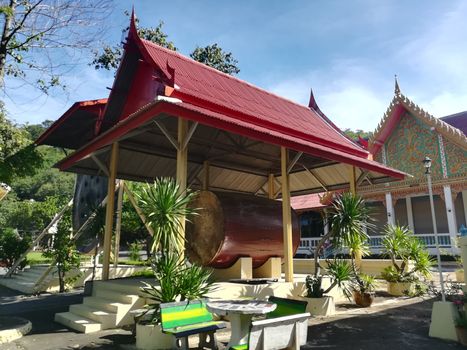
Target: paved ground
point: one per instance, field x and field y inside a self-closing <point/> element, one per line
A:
<point x="393" y="324"/>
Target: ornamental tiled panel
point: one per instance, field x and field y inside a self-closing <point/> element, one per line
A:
<point x="456" y="158"/>
<point x="410" y="142"/>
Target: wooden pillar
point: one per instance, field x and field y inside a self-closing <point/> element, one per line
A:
<point x="206" y="175"/>
<point x="181" y="175"/>
<point x="352" y="180"/>
<point x="109" y="213"/>
<point x="271" y="189"/>
<point x="286" y="217"/>
<point x="118" y="224"/>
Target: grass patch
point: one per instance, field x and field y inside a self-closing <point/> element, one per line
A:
<point x="35" y="258"/>
<point x="144" y="273"/>
<point x="134" y="262"/>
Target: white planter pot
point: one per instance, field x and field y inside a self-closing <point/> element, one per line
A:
<point x="398" y="289"/>
<point x="320" y="306"/>
<point x="150" y="337"/>
<point x="460" y="275"/>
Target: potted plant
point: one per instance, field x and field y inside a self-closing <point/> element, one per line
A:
<point x="401" y="244"/>
<point x="320" y="304"/>
<point x="363" y="290"/>
<point x="177" y="281"/>
<point x="166" y="207"/>
<point x="349" y="219"/>
<point x="460" y="270"/>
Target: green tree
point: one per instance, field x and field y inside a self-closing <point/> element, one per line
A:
<point x="18" y="157"/>
<point x="27" y="217"/>
<point x="63" y="251"/>
<point x="212" y="55"/>
<point x="41" y="38"/>
<point x="12" y="245"/>
<point x="354" y="134"/>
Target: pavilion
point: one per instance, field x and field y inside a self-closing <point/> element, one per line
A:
<point x="167" y="115"/>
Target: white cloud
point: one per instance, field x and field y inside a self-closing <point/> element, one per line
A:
<point x="351" y="95"/>
<point x="355" y="92"/>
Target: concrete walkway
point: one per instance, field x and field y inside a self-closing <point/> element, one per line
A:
<point x="393" y="324"/>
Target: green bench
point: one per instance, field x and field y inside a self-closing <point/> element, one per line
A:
<point x="183" y="319"/>
<point x="286" y="307"/>
<point x="285" y="327"/>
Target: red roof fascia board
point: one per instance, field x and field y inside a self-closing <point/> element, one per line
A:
<point x="216" y="120"/>
<point x="85" y="105"/>
<point x="204" y="86"/>
<point x="388" y="128"/>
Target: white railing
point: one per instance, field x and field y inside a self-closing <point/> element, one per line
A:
<point x="428" y="239"/>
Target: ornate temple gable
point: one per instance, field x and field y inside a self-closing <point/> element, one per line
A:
<point x="456" y="159"/>
<point x="398" y="106"/>
<point x="410" y="142"/>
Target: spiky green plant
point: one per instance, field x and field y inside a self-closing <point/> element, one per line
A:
<point x="350" y="219"/>
<point x="399" y="243"/>
<point x="165" y="207"/>
<point x="341" y="273"/>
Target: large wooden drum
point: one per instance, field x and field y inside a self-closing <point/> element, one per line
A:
<point x="229" y="226"/>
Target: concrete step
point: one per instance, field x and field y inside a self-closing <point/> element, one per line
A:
<point x="125" y="286"/>
<point x="35" y="272"/>
<point x="26" y="277"/>
<point x="17" y="284"/>
<point x="115" y="296"/>
<point x="105" y="304"/>
<point x="78" y="323"/>
<point x="106" y="319"/>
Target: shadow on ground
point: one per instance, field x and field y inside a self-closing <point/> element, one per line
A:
<point x="404" y="327"/>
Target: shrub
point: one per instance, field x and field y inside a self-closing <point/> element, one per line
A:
<point x="12" y="246"/>
<point x="400" y="243"/>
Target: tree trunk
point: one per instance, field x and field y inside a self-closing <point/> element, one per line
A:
<point x="61" y="280"/>
<point x="5" y="39"/>
<point x="318" y="248"/>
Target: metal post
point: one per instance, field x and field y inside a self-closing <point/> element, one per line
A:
<point x="435" y="231"/>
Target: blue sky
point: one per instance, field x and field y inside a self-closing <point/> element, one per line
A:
<point x="347" y="51"/>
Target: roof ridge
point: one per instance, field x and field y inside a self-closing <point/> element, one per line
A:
<point x="442" y="127"/>
<point x="204" y="66"/>
<point x="186" y="58"/>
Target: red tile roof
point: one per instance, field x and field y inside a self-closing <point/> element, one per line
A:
<point x="308" y="201"/>
<point x="204" y="86"/>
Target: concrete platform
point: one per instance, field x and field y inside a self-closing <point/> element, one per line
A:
<point x="13" y="328"/>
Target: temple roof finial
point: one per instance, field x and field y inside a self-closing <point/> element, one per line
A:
<point x="312" y="102"/>
<point x="132" y="22"/>
<point x="397" y="90"/>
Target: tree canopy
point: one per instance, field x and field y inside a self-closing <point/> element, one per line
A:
<point x="40" y="39"/>
<point x="18" y="157"/>
<point x="211" y="55"/>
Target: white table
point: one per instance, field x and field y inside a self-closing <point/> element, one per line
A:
<point x="240" y="313"/>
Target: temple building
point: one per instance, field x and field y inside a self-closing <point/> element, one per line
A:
<point x="404" y="137"/>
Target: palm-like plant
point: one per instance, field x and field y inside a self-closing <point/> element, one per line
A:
<point x="400" y="243"/>
<point x="166" y="208"/>
<point x="350" y="219"/>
